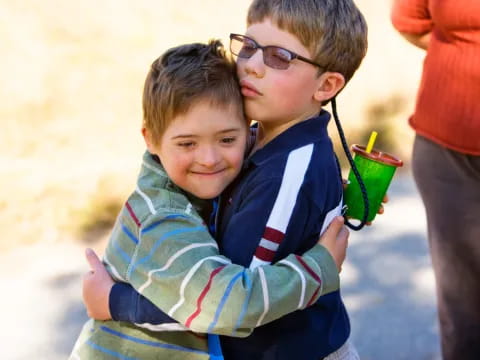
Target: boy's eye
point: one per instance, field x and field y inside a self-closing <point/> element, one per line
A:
<point x="186" y="144"/>
<point x="247" y="51"/>
<point x="280" y="55"/>
<point x="228" y="140"/>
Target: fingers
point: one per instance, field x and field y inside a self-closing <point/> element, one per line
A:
<point x="338" y="231"/>
<point x="93" y="260"/>
<point x="335" y="225"/>
<point x="381" y="209"/>
<point x="335" y="240"/>
<point x="344" y="233"/>
<point x="342" y="244"/>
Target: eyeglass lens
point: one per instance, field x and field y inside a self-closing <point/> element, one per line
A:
<point x="273" y="56"/>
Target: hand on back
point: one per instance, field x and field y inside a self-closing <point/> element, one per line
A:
<point x="97" y="284"/>
<point x="335" y="240"/>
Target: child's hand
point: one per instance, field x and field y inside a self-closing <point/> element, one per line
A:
<point x="97" y="284"/>
<point x="381" y="209"/>
<point x="335" y="240"/>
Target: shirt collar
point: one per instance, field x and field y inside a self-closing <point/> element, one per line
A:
<point x="153" y="175"/>
<point x="303" y="133"/>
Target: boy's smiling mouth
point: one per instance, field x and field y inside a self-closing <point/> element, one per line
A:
<point x="208" y="173"/>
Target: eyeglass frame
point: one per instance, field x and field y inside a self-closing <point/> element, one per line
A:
<point x="292" y="54"/>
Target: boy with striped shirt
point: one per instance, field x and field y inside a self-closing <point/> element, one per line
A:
<point x="196" y="134"/>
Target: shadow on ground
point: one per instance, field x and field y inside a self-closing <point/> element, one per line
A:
<point x="66" y="326"/>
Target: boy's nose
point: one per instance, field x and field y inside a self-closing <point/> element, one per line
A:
<point x="255" y="65"/>
<point x="208" y="157"/>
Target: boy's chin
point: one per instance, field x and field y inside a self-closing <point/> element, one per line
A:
<point x="207" y="195"/>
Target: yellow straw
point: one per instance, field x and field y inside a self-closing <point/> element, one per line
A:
<point x="371" y="141"/>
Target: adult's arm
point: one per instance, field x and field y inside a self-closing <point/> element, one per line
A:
<point x="411" y="18"/>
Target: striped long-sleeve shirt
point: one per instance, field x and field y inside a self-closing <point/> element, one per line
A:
<point x="161" y="246"/>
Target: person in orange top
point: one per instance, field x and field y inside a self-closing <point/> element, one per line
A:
<point x="446" y="158"/>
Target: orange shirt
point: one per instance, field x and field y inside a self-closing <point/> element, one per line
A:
<point x="448" y="100"/>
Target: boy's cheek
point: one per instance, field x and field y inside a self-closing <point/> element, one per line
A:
<point x="240" y="67"/>
<point x="236" y="158"/>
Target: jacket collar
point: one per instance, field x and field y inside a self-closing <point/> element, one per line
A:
<point x="303" y="133"/>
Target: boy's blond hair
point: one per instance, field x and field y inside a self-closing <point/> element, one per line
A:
<point x="334" y="31"/>
<point x="183" y="76"/>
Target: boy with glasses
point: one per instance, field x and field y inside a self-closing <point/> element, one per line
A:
<point x="195" y="131"/>
<point x="294" y="58"/>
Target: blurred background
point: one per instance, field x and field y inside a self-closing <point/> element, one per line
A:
<point x="71" y="84"/>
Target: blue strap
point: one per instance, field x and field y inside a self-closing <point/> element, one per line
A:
<point x="211" y="225"/>
<point x="214" y="348"/>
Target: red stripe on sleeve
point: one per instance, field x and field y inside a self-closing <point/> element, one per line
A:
<point x="202" y="296"/>
<point x="309" y="269"/>
<point x="273" y="235"/>
<point x="313" y="296"/>
<point x="132" y="214"/>
<point x="264" y="254"/>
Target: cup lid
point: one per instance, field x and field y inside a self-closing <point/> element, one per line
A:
<point x="378" y="156"/>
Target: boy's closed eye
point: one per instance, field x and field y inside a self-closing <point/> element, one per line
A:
<point x="282" y="56"/>
<point x="223" y="141"/>
<point x="186" y="144"/>
<point x="248" y="49"/>
<point x="228" y="140"/>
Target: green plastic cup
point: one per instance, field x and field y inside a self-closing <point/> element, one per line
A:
<point x="376" y="169"/>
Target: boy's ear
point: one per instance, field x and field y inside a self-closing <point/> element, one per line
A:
<point x="329" y="86"/>
<point x="147" y="136"/>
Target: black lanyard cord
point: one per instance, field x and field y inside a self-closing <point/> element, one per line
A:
<point x="354" y="169"/>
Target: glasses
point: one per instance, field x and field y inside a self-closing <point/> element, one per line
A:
<point x="275" y="57"/>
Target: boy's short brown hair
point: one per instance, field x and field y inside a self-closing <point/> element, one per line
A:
<point x="334" y="31"/>
<point x="184" y="75"/>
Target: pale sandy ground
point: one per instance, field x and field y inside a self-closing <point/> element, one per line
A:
<point x="387" y="280"/>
